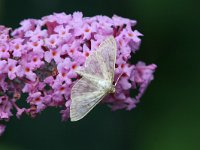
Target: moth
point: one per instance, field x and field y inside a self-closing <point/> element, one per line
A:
<point x="97" y="79"/>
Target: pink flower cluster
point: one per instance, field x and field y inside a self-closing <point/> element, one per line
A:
<point x="38" y="62"/>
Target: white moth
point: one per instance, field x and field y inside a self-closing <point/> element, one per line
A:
<point x="97" y="79"/>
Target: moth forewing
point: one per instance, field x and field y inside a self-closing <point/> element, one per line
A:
<point x="107" y="50"/>
<point x="85" y="95"/>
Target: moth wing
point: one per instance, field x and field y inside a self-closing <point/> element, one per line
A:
<point x="85" y="95"/>
<point x="107" y="50"/>
<point x="101" y="63"/>
<point x="94" y="66"/>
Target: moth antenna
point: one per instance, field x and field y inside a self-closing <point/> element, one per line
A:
<point x="118" y="78"/>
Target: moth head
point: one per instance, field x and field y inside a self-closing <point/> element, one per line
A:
<point x="112" y="90"/>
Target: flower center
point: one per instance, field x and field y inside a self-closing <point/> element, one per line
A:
<point x="35" y="44"/>
<point x="27" y="69"/>
<point x="17" y="47"/>
<point x="34" y="59"/>
<point x="62" y="89"/>
<point x="10" y="68"/>
<point x="74" y="66"/>
<point x="122" y="66"/>
<point x="72" y="51"/>
<point x="87" y="30"/>
<point x="54" y="53"/>
<point x="37" y="99"/>
<point x="130" y="34"/>
<point x="52" y="42"/>
<point x="63" y="74"/>
<point x="86" y="54"/>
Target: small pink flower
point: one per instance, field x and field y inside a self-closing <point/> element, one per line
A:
<point x="36" y="46"/>
<point x="63" y="71"/>
<point x="86" y="51"/>
<point x="60" y="18"/>
<point x="12" y="68"/>
<point x="63" y="32"/>
<point x="132" y="37"/>
<point x="20" y="112"/>
<point x="72" y="49"/>
<point x="119" y="21"/>
<point x="4" y="50"/>
<point x="77" y="20"/>
<point x="36" y="34"/>
<point x="124" y="82"/>
<point x="4" y="34"/>
<point x="105" y="25"/>
<point x="65" y="112"/>
<point x="95" y="44"/>
<point x="86" y="31"/>
<point x="57" y="98"/>
<point x="3" y="83"/>
<point x="3" y="64"/>
<point x="27" y="71"/>
<point x="36" y="60"/>
<point x="5" y="108"/>
<point x="17" y="47"/>
<point x="26" y="25"/>
<point x="142" y="73"/>
<point x="53" y="54"/>
<point x="120" y="64"/>
<point x="73" y="67"/>
<point x="131" y="103"/>
<point x="30" y="87"/>
<point x="125" y="47"/>
<point x="36" y="99"/>
<point x="49" y="80"/>
<point x="52" y="41"/>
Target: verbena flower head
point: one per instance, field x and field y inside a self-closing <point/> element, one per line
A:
<point x="39" y="60"/>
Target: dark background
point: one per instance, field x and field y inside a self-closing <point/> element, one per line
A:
<point x="168" y="117"/>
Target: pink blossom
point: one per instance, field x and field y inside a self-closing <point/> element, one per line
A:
<point x="40" y="57"/>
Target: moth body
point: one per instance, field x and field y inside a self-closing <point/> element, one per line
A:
<point x="104" y="85"/>
<point x="107" y="86"/>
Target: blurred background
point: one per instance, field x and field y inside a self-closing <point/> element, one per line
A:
<point x="168" y="116"/>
